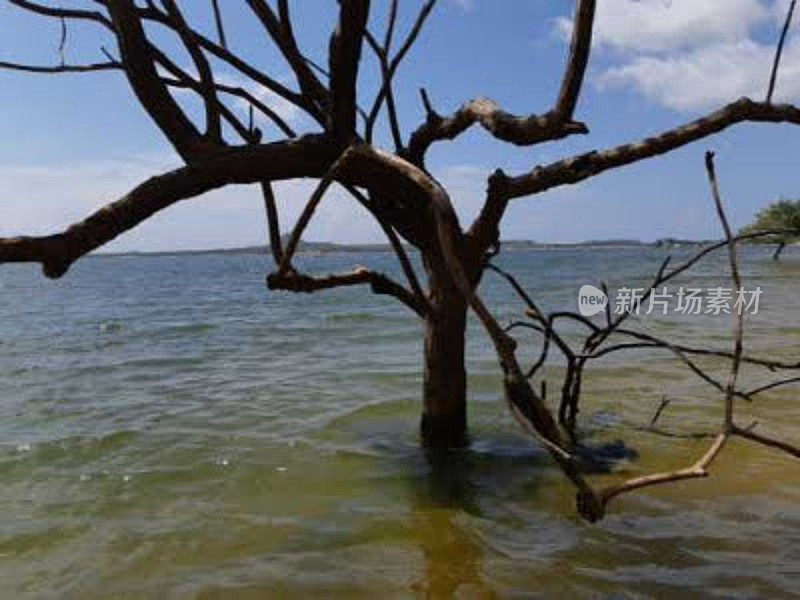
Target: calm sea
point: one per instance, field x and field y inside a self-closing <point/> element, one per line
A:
<point x="171" y="429"/>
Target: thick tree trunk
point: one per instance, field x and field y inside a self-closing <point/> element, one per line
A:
<point x="444" y="417"/>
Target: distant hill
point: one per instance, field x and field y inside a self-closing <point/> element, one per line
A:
<point x="676" y="242"/>
<point x="330" y="247"/>
<point x="302" y="247"/>
<point x="525" y="244"/>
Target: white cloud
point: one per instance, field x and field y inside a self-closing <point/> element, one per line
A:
<point x="42" y="199"/>
<point x="666" y="25"/>
<point x="39" y="200"/>
<point x="692" y="55"/>
<point x="710" y="75"/>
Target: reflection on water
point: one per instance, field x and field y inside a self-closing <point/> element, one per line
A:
<point x="448" y="490"/>
<point x="170" y="429"/>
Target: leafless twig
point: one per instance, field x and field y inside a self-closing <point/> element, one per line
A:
<point x="779" y="50"/>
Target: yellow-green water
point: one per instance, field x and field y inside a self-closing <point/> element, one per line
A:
<point x="169" y="429"/>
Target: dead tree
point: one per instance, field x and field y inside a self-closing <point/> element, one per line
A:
<point x="407" y="202"/>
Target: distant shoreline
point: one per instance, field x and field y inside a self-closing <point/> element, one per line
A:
<point x="331" y="248"/>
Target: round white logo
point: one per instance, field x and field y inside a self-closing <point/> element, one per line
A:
<point x="591" y="300"/>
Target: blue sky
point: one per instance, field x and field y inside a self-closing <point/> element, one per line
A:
<point x="71" y="143"/>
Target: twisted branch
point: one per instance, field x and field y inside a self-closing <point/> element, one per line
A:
<point x="378" y="282"/>
<point x="578" y="168"/>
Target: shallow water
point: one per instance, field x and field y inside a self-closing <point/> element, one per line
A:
<point x="168" y="428"/>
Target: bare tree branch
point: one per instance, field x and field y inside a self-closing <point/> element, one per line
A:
<point x="287" y="278"/>
<point x="146" y="83"/>
<point x="380" y="284"/>
<point x="654" y="342"/>
<point x="186" y="81"/>
<point x="387" y="93"/>
<point x="308" y="212"/>
<point x="578" y="168"/>
<point x="485" y="229"/>
<point x="767" y="441"/>
<point x="218" y="23"/>
<point x="391" y="21"/>
<point x="521" y="131"/>
<point x="64" y="13"/>
<point x="62" y="44"/>
<point x="280" y="30"/>
<point x="105" y="66"/>
<point x="239" y="64"/>
<point x="280" y="160"/>
<point x="698" y="469"/>
<point x="273" y="224"/>
<point x="728" y="427"/>
<point x="207" y="84"/>
<point x="738" y="327"/>
<point x="396" y="245"/>
<point x="254" y="102"/>
<point x="779" y="50"/>
<point x="345" y="55"/>
<point x="583" y="25"/>
<point x="576" y="361"/>
<point x="771" y="386"/>
<point x="389" y="68"/>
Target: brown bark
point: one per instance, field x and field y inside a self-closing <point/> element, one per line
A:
<point x="444" y="417"/>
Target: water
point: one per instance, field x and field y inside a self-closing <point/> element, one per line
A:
<point x="169" y="428"/>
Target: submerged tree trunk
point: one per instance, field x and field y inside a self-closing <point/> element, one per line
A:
<point x="444" y="417"/>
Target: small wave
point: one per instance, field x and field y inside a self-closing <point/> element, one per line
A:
<point x="180" y="329"/>
<point x="162" y="362"/>
<point x="352" y="317"/>
<point x="110" y="326"/>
